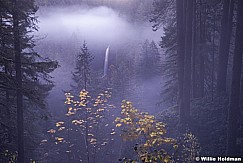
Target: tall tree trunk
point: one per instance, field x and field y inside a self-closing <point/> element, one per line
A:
<point x="225" y="36"/>
<point x="202" y="18"/>
<point x="180" y="45"/>
<point x="185" y="105"/>
<point x="234" y="109"/>
<point x="17" y="50"/>
<point x="194" y="43"/>
<point x="213" y="58"/>
<point x="86" y="137"/>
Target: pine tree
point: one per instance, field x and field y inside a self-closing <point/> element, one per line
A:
<point x="170" y="66"/>
<point x="26" y="74"/>
<point x="155" y="59"/>
<point x="143" y="70"/>
<point x="82" y="73"/>
<point x="164" y="16"/>
<point x="149" y="63"/>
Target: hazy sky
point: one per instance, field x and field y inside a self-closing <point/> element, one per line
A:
<point x="99" y="27"/>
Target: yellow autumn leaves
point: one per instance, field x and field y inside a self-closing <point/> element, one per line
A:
<point x="142" y="126"/>
<point x="84" y="114"/>
<point x="58" y="124"/>
<point x="118" y="125"/>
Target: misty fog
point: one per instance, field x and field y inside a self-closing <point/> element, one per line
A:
<point x="121" y="81"/>
<point x="62" y="30"/>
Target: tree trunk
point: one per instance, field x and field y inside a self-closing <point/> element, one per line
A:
<point x="180" y="46"/>
<point x="194" y="43"/>
<point x="185" y="105"/>
<point x="213" y="59"/>
<point x="225" y="36"/>
<point x="202" y="17"/>
<point x="17" y="50"/>
<point x="234" y="109"/>
<point x="86" y="137"/>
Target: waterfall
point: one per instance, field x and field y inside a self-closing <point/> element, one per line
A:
<point x="106" y="60"/>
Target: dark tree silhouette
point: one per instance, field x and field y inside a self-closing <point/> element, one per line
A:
<point x="234" y="108"/>
<point x="185" y="103"/>
<point x="225" y="36"/>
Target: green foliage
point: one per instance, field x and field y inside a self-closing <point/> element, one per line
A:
<point x="162" y="13"/>
<point x="149" y="61"/>
<point x="36" y="77"/>
<point x="210" y="124"/>
<point x="169" y="65"/>
<point x="82" y="73"/>
<point x="121" y="77"/>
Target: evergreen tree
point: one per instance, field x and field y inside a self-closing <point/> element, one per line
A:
<point x="25" y="77"/>
<point x="207" y="43"/>
<point x="82" y="73"/>
<point x="149" y="62"/>
<point x="144" y="62"/>
<point x="155" y="59"/>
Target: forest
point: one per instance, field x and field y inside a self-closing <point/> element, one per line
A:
<point x="121" y="81"/>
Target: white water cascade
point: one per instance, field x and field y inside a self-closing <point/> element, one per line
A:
<point x="106" y="60"/>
